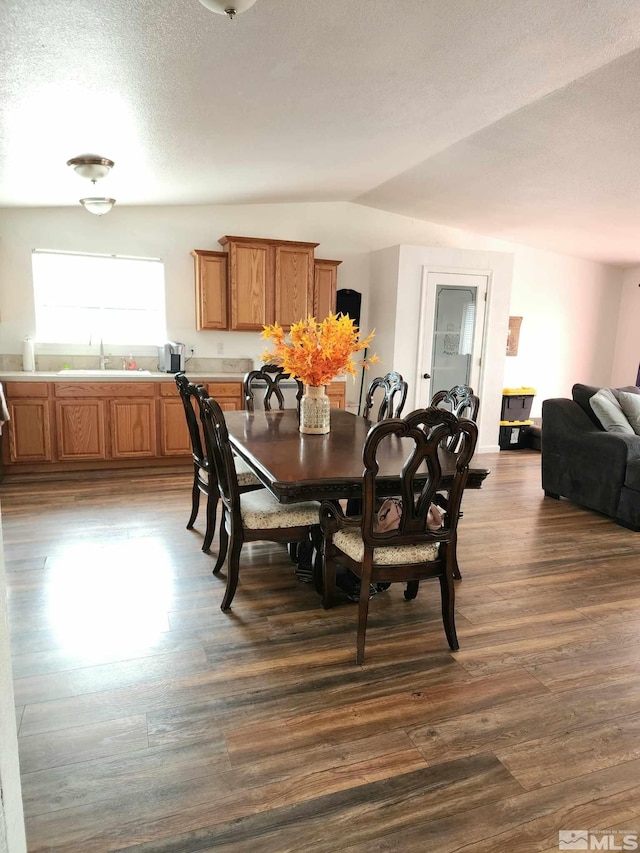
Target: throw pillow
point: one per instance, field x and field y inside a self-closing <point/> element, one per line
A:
<point x="630" y="405"/>
<point x="609" y="412"/>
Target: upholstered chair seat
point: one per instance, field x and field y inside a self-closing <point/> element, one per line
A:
<point x="260" y="510"/>
<point x="350" y="543"/>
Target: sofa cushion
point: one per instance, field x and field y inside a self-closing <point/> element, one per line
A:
<point x="630" y="405"/>
<point x="581" y="395"/>
<point x="609" y="412"/>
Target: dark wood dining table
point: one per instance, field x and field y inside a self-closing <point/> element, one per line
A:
<point x="296" y="467"/>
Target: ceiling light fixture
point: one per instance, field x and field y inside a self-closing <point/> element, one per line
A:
<point x="93" y="167"/>
<point x="98" y="206"/>
<point x="231" y="8"/>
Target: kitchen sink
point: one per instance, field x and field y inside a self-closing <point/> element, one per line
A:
<point x="69" y="372"/>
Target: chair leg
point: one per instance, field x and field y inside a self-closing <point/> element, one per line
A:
<point x="212" y="511"/>
<point x="224" y="546"/>
<point x="363" y="612"/>
<point x="448" y="593"/>
<point x="233" y="570"/>
<point x="328" y="576"/>
<point x="412" y="590"/>
<point x="195" y="501"/>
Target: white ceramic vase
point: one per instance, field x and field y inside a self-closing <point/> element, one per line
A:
<point x="315" y="411"/>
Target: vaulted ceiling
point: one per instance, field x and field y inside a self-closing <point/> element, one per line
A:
<point x="514" y="119"/>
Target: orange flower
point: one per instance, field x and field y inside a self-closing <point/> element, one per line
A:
<point x="317" y="352"/>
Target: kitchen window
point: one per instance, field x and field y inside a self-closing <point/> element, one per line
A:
<point x="84" y="299"/>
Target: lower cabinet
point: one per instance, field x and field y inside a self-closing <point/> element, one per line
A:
<point x="30" y="431"/>
<point x="174" y="435"/>
<point x="133" y="429"/>
<point x="336" y="392"/>
<point x="80" y="429"/>
<point x="100" y="424"/>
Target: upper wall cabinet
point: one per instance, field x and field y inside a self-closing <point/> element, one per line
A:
<point x="211" y="290"/>
<point x="325" y="288"/>
<point x="269" y="281"/>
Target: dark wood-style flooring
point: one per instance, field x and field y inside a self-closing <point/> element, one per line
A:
<point x="151" y="721"/>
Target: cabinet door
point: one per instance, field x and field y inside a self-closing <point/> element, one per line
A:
<point x="336" y="392"/>
<point x="174" y="435"/>
<point x="228" y="395"/>
<point x="30" y="431"/>
<point x="80" y="429"/>
<point x="251" y="271"/>
<point x="133" y="428"/>
<point x="211" y="289"/>
<point x="293" y="284"/>
<point x="325" y="287"/>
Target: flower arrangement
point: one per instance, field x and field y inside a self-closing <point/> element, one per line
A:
<point x="317" y="352"/>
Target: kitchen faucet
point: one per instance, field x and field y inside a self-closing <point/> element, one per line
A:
<point x="104" y="360"/>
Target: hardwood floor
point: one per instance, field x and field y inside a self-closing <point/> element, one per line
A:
<point x="151" y="721"/>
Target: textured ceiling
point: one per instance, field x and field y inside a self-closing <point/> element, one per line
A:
<point x="509" y="118"/>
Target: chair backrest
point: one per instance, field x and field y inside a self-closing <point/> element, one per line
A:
<point x="421" y="476"/>
<point x="190" y="401"/>
<point x="394" y="390"/>
<point x="268" y="377"/>
<point x="216" y="437"/>
<point x="460" y="400"/>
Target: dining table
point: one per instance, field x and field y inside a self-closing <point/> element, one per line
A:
<point x="299" y="467"/>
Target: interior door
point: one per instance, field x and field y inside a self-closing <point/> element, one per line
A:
<point x="452" y="332"/>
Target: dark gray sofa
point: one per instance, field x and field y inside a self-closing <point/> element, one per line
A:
<point x="587" y="465"/>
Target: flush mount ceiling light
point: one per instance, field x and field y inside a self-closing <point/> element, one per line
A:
<point x="231" y="8"/>
<point x="91" y="166"/>
<point x="98" y="206"/>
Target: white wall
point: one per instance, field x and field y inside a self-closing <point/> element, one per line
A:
<point x="570" y="317"/>
<point x="627" y="352"/>
<point x="570" y="307"/>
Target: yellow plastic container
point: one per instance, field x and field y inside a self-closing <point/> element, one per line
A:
<point x="516" y="405"/>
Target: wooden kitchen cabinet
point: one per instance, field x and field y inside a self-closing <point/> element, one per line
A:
<point x="30" y="431"/>
<point x="269" y="281"/>
<point x="29" y="427"/>
<point x="67" y="425"/>
<point x="228" y="395"/>
<point x="174" y="435"/>
<point x="133" y="428"/>
<point x="325" y="287"/>
<point x="211" y="290"/>
<point x="173" y="432"/>
<point x="337" y="394"/>
<point x="80" y="429"/>
<point x="293" y="283"/>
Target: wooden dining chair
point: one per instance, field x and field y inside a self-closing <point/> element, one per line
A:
<point x="268" y="378"/>
<point x="460" y="400"/>
<point x="249" y="516"/>
<point x="204" y="473"/>
<point x="411" y="552"/>
<point x="463" y="403"/>
<point x="394" y="391"/>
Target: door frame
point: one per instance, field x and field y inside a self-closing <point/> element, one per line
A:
<point x="426" y="322"/>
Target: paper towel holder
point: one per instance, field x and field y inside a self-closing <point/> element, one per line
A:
<point x="28" y="355"/>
